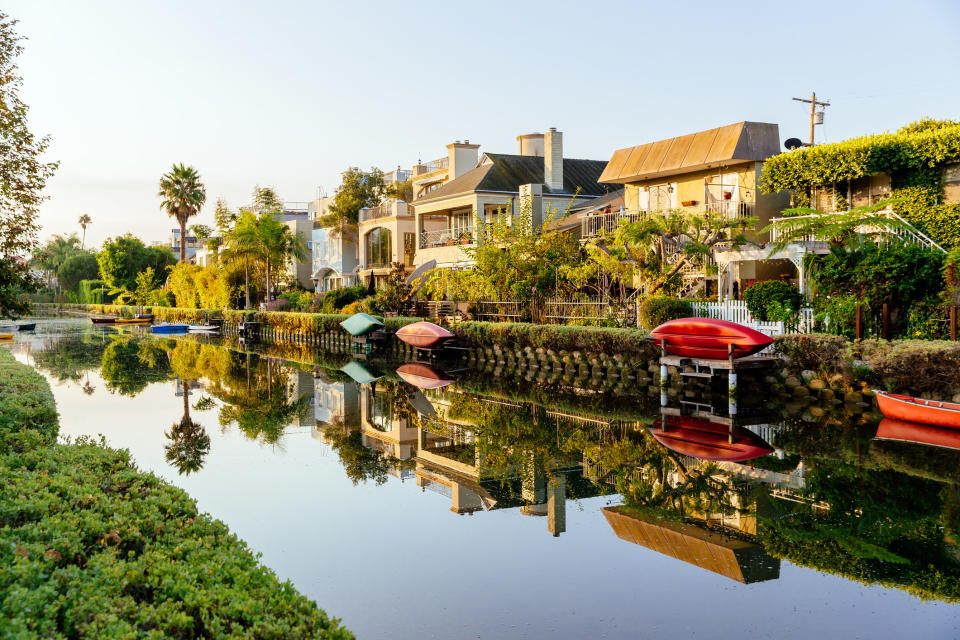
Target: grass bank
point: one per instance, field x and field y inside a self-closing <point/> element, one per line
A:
<point x="92" y="547"/>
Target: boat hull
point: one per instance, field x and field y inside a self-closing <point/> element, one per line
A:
<point x="103" y="320"/>
<point x="424" y="335"/>
<point x="916" y="433"/>
<point x="28" y="326"/>
<point x="131" y="321"/>
<point x="706" y="440"/>
<point x="709" y="338"/>
<point x="423" y="376"/>
<point x="6" y="336"/>
<point x="910" y="409"/>
<point x="170" y="328"/>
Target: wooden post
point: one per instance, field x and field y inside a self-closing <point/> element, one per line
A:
<point x="953" y="323"/>
<point x="886" y="321"/>
<point x="859" y="329"/>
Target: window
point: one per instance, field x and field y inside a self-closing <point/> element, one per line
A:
<point x="379" y="247"/>
<point x="460" y="222"/>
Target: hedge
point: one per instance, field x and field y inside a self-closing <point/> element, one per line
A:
<point x="92" y="547"/>
<point x="627" y="342"/>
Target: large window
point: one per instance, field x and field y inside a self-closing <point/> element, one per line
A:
<point x="379" y="248"/>
<point x="409" y="248"/>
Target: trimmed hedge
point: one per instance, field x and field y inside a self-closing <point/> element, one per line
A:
<point x="92" y="547"/>
<point x="627" y="342"/>
<point x="656" y="310"/>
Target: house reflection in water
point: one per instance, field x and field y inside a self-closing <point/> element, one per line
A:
<point x="335" y="402"/>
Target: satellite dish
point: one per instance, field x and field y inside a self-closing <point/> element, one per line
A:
<point x="793" y="143"/>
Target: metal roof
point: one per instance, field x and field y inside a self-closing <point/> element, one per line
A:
<point x="740" y="142"/>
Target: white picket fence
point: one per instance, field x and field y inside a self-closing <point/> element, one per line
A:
<point x="736" y="311"/>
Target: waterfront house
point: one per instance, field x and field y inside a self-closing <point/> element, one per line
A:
<point x="715" y="171"/>
<point x="296" y="217"/>
<point x="493" y="185"/>
<point x="386" y="233"/>
<point x="193" y="245"/>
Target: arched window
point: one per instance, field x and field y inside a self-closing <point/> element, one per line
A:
<point x="379" y="247"/>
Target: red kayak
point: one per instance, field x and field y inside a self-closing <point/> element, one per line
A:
<point x="423" y="376"/>
<point x="424" y="335"/>
<point x="939" y="414"/>
<point x="706" y="440"/>
<point x="913" y="432"/>
<point x="709" y="338"/>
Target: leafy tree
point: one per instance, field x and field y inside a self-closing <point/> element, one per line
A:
<point x="142" y="293"/>
<point x="400" y="190"/>
<point x="201" y="231"/>
<point x="279" y="245"/>
<point x="80" y="266"/>
<point x="266" y="200"/>
<point x="357" y="190"/>
<point x="52" y="254"/>
<point x="183" y="195"/>
<point x="243" y="246"/>
<point x="22" y="178"/>
<point x="84" y="220"/>
<point x="122" y="258"/>
<point x="224" y="218"/>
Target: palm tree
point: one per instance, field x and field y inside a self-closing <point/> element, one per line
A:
<point x="243" y="243"/>
<point x="279" y="244"/>
<point x="183" y="195"/>
<point x="85" y="219"/>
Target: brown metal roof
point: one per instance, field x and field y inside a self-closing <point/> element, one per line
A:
<point x="711" y="550"/>
<point x="740" y="142"/>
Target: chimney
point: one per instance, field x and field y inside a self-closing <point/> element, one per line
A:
<point x="553" y="159"/>
<point x="462" y="157"/>
<point x="530" y="144"/>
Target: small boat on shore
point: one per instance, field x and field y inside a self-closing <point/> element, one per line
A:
<point x="203" y="328"/>
<point x="916" y="433"/>
<point x="360" y="324"/>
<point x="709" y="338"/>
<point x="6" y="336"/>
<point x="424" y="335"/>
<point x="103" y="320"/>
<point x="8" y="328"/>
<point x="705" y="440"/>
<point x="132" y="321"/>
<point x="910" y="409"/>
<point x="27" y="326"/>
<point x="170" y="328"/>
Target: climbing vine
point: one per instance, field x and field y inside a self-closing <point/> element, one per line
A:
<point x="913" y="156"/>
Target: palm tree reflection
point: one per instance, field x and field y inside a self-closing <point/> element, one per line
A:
<point x="189" y="442"/>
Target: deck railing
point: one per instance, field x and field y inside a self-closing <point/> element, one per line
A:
<point x="594" y="225"/>
<point x="903" y="230"/>
<point x="446" y="237"/>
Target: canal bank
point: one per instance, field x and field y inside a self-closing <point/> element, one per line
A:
<point x="818" y="361"/>
<point x="92" y="547"/>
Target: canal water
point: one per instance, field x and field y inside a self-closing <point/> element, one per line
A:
<point x="449" y="501"/>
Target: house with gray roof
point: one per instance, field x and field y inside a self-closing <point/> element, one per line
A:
<point x="496" y="185"/>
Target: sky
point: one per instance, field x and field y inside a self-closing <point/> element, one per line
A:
<point x="289" y="94"/>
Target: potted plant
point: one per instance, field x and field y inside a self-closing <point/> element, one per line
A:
<point x="689" y="203"/>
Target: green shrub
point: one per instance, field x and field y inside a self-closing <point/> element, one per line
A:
<point x="771" y="300"/>
<point x="626" y="342"/>
<point x="92" y="547"/>
<point x="814" y="351"/>
<point x="80" y="266"/>
<point x="334" y="301"/>
<point x="94" y="292"/>
<point x="656" y="310"/>
<point x="162" y="298"/>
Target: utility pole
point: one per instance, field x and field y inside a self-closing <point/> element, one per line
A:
<point x="813" y="112"/>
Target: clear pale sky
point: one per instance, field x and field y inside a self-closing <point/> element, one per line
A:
<point x="291" y="93"/>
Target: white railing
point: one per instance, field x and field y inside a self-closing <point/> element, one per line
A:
<point x="446" y="237"/>
<point x="909" y="234"/>
<point x="594" y="224"/>
<point x="736" y="311"/>
<point x="397" y="208"/>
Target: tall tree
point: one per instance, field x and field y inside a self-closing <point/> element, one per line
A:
<point x="279" y="245"/>
<point x="266" y="200"/>
<point x="357" y="190"/>
<point x="22" y="179"/>
<point x="243" y="246"/>
<point x="84" y="220"/>
<point x="183" y="195"/>
<point x="80" y="266"/>
<point x="122" y="258"/>
<point x="51" y="255"/>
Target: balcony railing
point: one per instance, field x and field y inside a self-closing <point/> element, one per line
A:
<point x="900" y="229"/>
<point x="446" y="237"/>
<point x="433" y="165"/>
<point x="594" y="225"/>
<point x="397" y="208"/>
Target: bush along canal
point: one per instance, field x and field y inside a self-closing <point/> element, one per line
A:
<point x="548" y="482"/>
<point x="94" y="547"/>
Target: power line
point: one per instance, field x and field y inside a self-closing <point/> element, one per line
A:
<point x="815" y="116"/>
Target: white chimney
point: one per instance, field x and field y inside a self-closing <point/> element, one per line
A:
<point x="462" y="157"/>
<point x="530" y="144"/>
<point x="553" y="159"/>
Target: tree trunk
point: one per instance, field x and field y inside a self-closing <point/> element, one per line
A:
<point x="246" y="282"/>
<point x="183" y="240"/>
<point x="83" y="238"/>
<point x="267" y="297"/>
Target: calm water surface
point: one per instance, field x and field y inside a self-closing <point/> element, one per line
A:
<point x="504" y="504"/>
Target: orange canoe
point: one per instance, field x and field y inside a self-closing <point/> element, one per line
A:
<point x="424" y="335"/>
<point x="909" y="409"/>
<point x="901" y="431"/>
<point x="707" y="440"/>
<point x="709" y="338"/>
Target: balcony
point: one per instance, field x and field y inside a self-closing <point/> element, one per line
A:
<point x="594" y="225"/>
<point x="889" y="225"/>
<point x="433" y="165"/>
<point x="446" y="237"/>
<point x="397" y="208"/>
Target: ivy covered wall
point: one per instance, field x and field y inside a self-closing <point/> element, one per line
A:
<point x="914" y="157"/>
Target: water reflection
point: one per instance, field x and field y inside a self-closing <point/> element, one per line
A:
<point x="811" y="481"/>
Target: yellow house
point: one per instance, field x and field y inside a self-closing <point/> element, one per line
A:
<point x="716" y="171"/>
